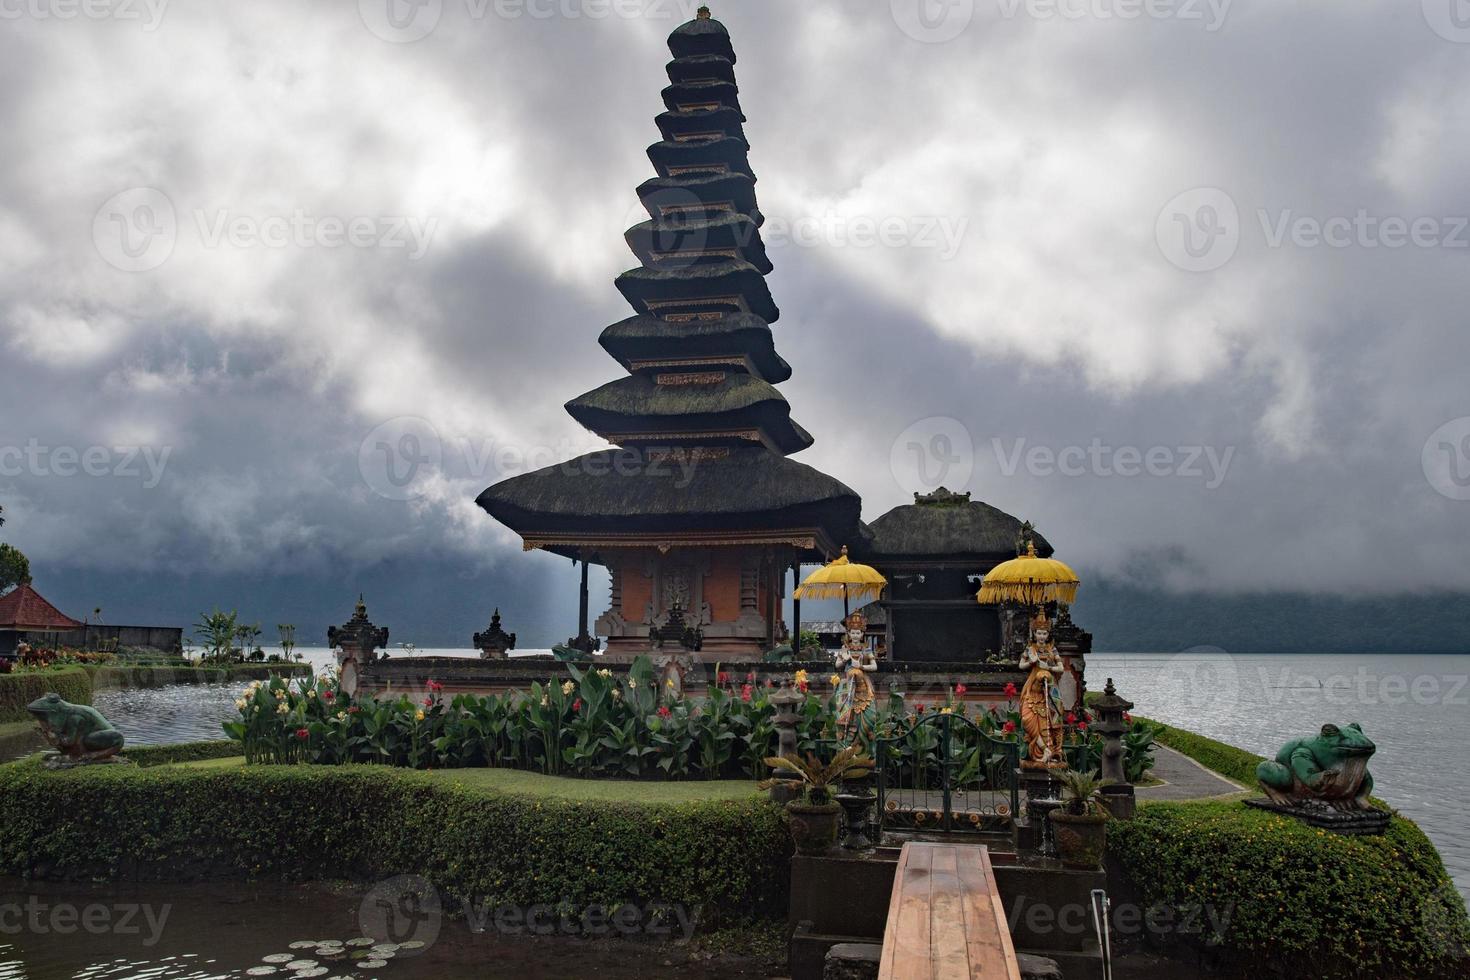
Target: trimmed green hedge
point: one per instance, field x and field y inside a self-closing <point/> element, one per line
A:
<point x="19" y="690"/>
<point x="1227" y="760"/>
<point x="728" y="858"/>
<point x="1316" y="904"/>
<point x="159" y="755"/>
<point x="110" y="677"/>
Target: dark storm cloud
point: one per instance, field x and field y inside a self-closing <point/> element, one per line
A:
<point x="972" y="229"/>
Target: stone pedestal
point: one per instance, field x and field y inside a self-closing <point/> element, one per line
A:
<point x="852" y="961"/>
<point x="1036" y="784"/>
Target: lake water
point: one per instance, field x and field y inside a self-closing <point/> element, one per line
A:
<point x="1416" y="708"/>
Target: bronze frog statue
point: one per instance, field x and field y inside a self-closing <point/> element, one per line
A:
<point x="77" y="732"/>
<point x="1330" y="768"/>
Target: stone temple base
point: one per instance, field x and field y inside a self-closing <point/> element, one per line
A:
<point x="1324" y="817"/>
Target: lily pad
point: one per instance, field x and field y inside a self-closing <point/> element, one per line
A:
<point x="304" y="944"/>
<point x="373" y="964"/>
<point x="278" y="957"/>
<point x="360" y="941"/>
<point x="315" y="971"/>
<point x="260" y="971"/>
<point x="301" y="964"/>
<point x="412" y="944"/>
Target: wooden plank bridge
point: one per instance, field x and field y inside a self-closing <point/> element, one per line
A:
<point x="945" y="918"/>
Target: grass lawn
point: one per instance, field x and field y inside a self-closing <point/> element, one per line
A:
<point x="511" y="781"/>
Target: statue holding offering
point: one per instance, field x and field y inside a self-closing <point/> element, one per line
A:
<point x="856" y="707"/>
<point x="1041" y="699"/>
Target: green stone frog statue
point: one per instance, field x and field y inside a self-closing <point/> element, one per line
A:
<point x="78" y="732"/>
<point x="1331" y="768"/>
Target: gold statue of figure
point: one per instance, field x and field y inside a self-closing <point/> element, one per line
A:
<point x="1041" y="699"/>
<point x="856" y="710"/>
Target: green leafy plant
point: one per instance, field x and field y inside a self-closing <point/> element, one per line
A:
<point x="1081" y="793"/>
<point x="217" y="632"/>
<point x="816" y="778"/>
<point x="15" y="568"/>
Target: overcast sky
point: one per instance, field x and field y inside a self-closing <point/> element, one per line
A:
<point x="1184" y="283"/>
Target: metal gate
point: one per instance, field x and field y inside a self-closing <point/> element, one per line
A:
<point x="942" y="773"/>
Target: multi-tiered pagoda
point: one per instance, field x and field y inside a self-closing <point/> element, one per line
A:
<point x="699" y="512"/>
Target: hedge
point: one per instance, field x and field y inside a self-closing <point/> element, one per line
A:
<point x="357" y="822"/>
<point x="110" y="677"/>
<point x="1310" y="903"/>
<point x="19" y="690"/>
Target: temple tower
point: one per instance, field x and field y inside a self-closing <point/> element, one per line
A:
<point x="698" y="513"/>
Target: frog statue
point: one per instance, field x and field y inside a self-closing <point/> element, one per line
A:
<point x="78" y="732"/>
<point x="1330" y="768"/>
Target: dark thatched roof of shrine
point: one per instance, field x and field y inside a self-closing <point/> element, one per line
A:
<point x="701" y="36"/>
<point x="696" y="67"/>
<point x="618" y="489"/>
<point x="951" y="526"/>
<point x="649" y="338"/>
<point x="691" y="282"/>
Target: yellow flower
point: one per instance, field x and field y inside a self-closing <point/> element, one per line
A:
<point x="946" y="711"/>
<point x="617" y="694"/>
<point x="240" y="704"/>
<point x="281" y="708"/>
<point x="568" y="687"/>
<point x="669" y="683"/>
<point x="418" y="716"/>
<point x="341" y="715"/>
<point x="835" y="679"/>
<point x="801" y="677"/>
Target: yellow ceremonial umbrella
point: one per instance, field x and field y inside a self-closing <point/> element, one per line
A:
<point x="1029" y="580"/>
<point x="844" y="578"/>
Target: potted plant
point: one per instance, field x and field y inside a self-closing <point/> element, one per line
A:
<point x="1080" y="826"/>
<point x="815" y="815"/>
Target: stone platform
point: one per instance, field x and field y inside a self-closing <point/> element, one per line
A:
<point x="1355" y="823"/>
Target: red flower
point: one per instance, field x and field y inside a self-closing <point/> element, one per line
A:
<point x="750" y="676"/>
<point x="435" y="686"/>
<point x="723" y="677"/>
<point x="663" y="711"/>
<point x="745" y="692"/>
<point x="577" y="705"/>
<point x="327" y="695"/>
<point x="1127" y="718"/>
<point x="918" y="709"/>
<point x="802" y="687"/>
<point x="303" y="734"/>
<point x="1082" y="727"/>
<point x="1008" y="727"/>
<point x="428" y="702"/>
<point x="1071" y="718"/>
<point x="1011" y="690"/>
<point x="353" y="710"/>
<point x="959" y="689"/>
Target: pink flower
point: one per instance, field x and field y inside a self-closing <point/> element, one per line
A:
<point x="1008" y="727"/>
<point x="960" y="689"/>
<point x="303" y="734"/>
<point x="1082" y="727"/>
<point x="663" y="711"/>
<point x="750" y="677"/>
<point x="428" y="702"/>
<point x="1011" y="690"/>
<point x="435" y="686"/>
<point x="745" y="692"/>
<point x="723" y="677"/>
<point x="353" y="710"/>
<point x="328" y="695"/>
<point x="577" y="705"/>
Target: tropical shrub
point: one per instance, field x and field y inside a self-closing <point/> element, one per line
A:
<point x="1290" y="900"/>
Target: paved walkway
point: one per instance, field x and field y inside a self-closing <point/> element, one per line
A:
<point x="1185" y="779"/>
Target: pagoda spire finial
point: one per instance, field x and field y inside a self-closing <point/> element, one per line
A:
<point x="702" y="13"/>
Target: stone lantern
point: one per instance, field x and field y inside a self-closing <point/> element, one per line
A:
<point x="1117" y="791"/>
<point x="785" y="700"/>
<point x="356" y="643"/>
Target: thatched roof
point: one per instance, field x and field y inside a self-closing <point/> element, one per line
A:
<point x="730" y="278"/>
<point x="644" y="338"/>
<point x="723" y="119"/>
<point x="701" y="36"/>
<point x="722" y="231"/>
<point x="701" y="67"/>
<point x="736" y="189"/>
<point x="944" y="525"/>
<point x="715" y="90"/>
<point x="638" y="404"/>
<point x="731" y="152"/>
<point x="623" y="490"/>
